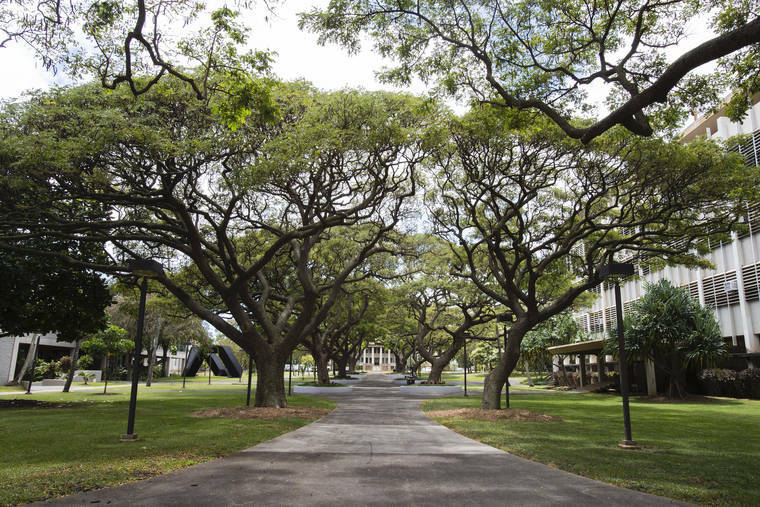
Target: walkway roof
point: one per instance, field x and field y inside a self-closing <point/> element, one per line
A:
<point x="578" y="348"/>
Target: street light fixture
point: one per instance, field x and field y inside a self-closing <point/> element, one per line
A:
<point x="621" y="269"/>
<point x="145" y="268"/>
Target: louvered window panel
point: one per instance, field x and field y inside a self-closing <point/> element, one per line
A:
<point x="750" y="149"/>
<point x="582" y="321"/>
<point x="693" y="288"/>
<point x="628" y="306"/>
<point x="751" y="278"/>
<point x="750" y="222"/>
<point x="597" y="324"/>
<point x="720" y="290"/>
<point x="610" y="317"/>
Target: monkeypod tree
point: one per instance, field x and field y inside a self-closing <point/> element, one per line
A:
<point x="549" y="55"/>
<point x="543" y="213"/>
<point x="237" y="213"/>
<point x="447" y="309"/>
<point x="359" y="316"/>
<point x="134" y="44"/>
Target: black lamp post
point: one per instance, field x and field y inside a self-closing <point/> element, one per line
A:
<point x="145" y="268"/>
<point x="290" y="376"/>
<point x="504" y="317"/>
<point x="465" y="367"/>
<point x="611" y="269"/>
<point x="248" y="395"/>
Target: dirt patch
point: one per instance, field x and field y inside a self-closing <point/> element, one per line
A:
<point x="265" y="413"/>
<point x="21" y="403"/>
<point x="507" y="414"/>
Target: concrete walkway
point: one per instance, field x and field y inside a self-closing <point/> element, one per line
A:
<point x="376" y="448"/>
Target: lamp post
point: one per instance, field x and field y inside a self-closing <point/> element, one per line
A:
<point x="250" y="369"/>
<point x="504" y="317"/>
<point x="617" y="268"/>
<point x="145" y="268"/>
<point x="290" y="376"/>
<point x="465" y="367"/>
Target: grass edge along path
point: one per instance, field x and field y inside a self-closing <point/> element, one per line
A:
<point x="52" y="452"/>
<point x="701" y="452"/>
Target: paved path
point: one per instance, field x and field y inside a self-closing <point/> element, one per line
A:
<point x="376" y="448"/>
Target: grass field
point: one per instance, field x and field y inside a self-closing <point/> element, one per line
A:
<point x="703" y="452"/>
<point x="49" y="452"/>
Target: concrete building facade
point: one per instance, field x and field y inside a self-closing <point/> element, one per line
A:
<point x="732" y="287"/>
<point x="13" y="351"/>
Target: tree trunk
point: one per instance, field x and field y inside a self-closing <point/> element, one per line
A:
<point x="676" y="386"/>
<point x="352" y="362"/>
<point x="320" y="359"/>
<point x="400" y="365"/>
<point x="527" y="372"/>
<point x="152" y="355"/>
<point x="28" y="360"/>
<point x="73" y="368"/>
<point x="494" y="382"/>
<point x="436" y="369"/>
<point x="270" y="384"/>
<point x="340" y="367"/>
<point x="165" y="360"/>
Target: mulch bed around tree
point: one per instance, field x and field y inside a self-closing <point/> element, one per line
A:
<point x="21" y="403"/>
<point x="507" y="414"/>
<point x="265" y="413"/>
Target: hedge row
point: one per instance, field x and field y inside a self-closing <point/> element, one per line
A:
<point x="731" y="383"/>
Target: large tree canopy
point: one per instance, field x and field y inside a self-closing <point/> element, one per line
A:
<point x="547" y="55"/>
<point x="44" y="295"/>
<point x="543" y="213"/>
<point x="138" y="42"/>
<point x="239" y="214"/>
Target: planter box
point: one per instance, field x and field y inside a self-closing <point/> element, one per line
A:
<point x="53" y="382"/>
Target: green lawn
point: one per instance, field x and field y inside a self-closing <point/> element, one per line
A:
<point x="11" y="389"/>
<point x="49" y="452"/>
<point x="706" y="453"/>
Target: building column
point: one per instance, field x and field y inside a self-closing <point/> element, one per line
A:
<point x="750" y="340"/>
<point x="582" y="369"/>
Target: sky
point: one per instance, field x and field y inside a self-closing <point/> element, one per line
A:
<point x="299" y="56"/>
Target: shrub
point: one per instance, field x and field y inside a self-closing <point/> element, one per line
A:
<point x="65" y="362"/>
<point x="44" y="369"/>
<point x="730" y="383"/>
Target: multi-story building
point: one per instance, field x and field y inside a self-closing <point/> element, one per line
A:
<point x="732" y="287"/>
<point x="375" y="357"/>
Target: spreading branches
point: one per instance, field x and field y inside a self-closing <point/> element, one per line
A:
<point x="547" y="56"/>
